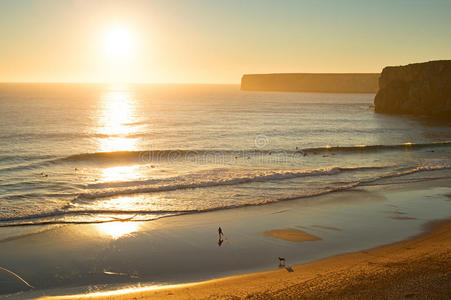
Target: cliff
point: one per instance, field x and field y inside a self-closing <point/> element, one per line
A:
<point x="419" y="89"/>
<point x="312" y="82"/>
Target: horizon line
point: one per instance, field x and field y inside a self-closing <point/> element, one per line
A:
<point x="109" y="83"/>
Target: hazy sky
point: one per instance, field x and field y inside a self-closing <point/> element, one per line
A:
<point x="214" y="41"/>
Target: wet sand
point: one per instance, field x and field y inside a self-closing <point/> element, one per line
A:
<point x="418" y="268"/>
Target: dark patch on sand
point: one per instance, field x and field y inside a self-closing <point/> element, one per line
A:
<point x="279" y="212"/>
<point x="402" y="218"/>
<point x="327" y="227"/>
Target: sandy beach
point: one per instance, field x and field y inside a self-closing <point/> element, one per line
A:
<point x="418" y="268"/>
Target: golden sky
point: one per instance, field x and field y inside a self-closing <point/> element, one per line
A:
<point x="196" y="41"/>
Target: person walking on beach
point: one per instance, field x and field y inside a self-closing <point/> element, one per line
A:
<point x="220" y="233"/>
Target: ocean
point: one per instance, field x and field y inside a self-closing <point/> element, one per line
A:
<point x="111" y="186"/>
<point x="80" y="153"/>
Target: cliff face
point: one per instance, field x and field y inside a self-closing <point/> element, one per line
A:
<point x="420" y="89"/>
<point x="304" y="82"/>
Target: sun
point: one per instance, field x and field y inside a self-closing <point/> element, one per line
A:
<point x="120" y="53"/>
<point x="118" y="43"/>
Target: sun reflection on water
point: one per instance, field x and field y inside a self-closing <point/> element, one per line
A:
<point x="117" y="229"/>
<point x="118" y="113"/>
<point x="123" y="173"/>
<point x="117" y="122"/>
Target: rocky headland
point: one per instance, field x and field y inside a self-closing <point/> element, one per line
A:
<point x="312" y="82"/>
<point x="417" y="89"/>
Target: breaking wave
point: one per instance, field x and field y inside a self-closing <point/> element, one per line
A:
<point x="66" y="214"/>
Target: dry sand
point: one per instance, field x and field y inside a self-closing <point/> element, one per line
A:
<point x="419" y="268"/>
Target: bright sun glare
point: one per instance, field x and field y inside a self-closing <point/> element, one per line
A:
<point x="117" y="229"/>
<point x="118" y="43"/>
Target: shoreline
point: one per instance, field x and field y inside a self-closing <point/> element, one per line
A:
<point x="164" y="254"/>
<point x="417" y="267"/>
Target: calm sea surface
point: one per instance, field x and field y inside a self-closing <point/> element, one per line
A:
<point x="95" y="153"/>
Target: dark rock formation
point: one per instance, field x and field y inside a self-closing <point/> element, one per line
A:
<point x="316" y="82"/>
<point x="419" y="89"/>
